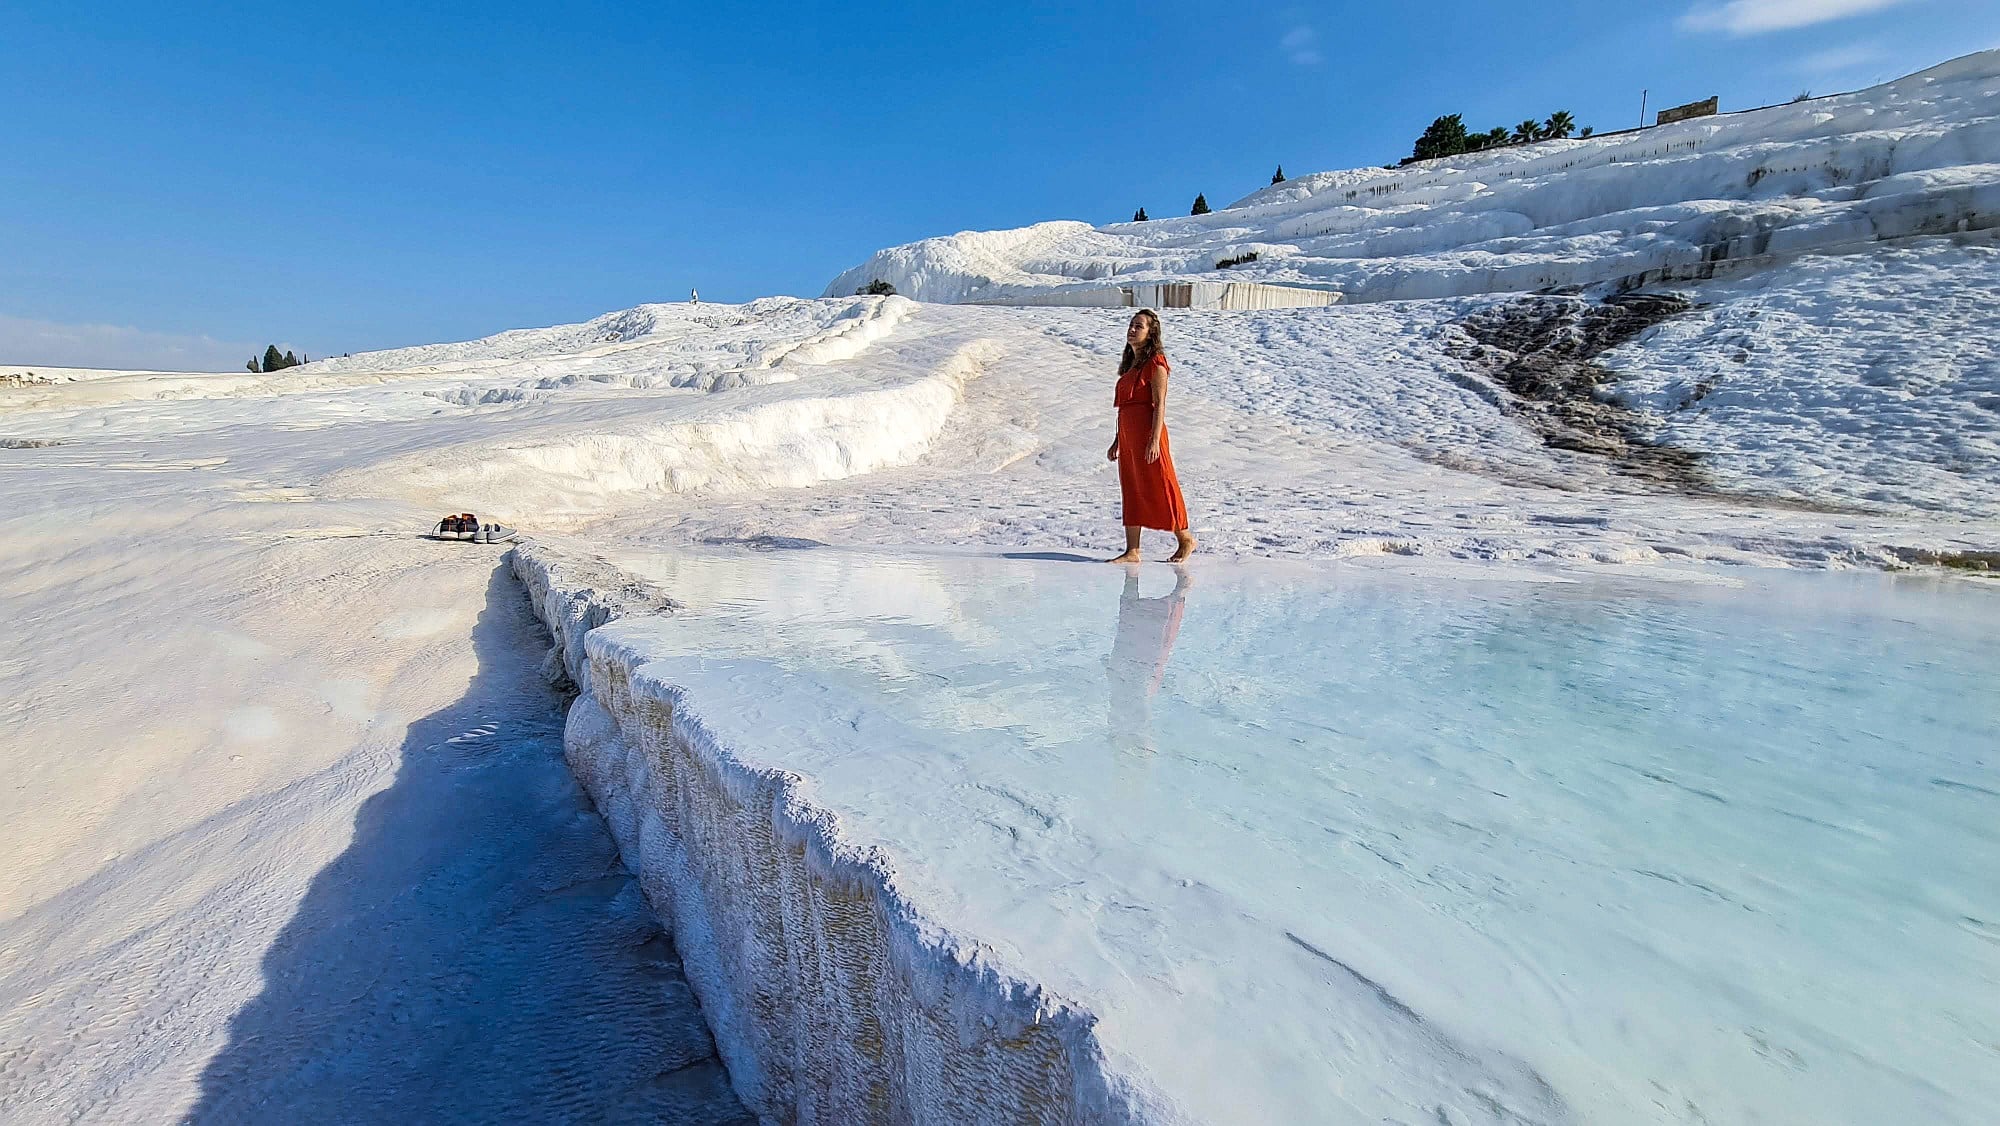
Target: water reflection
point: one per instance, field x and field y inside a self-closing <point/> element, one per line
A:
<point x="1147" y="628"/>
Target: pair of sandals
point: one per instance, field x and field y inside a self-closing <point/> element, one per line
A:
<point x="466" y="526"/>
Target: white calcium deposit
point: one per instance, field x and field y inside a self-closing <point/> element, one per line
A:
<point x="833" y="998"/>
<point x="1917" y="156"/>
<point x="963" y="837"/>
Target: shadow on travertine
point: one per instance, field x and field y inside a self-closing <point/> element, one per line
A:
<point x="478" y="953"/>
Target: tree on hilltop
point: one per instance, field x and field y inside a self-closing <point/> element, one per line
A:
<point x="1139" y="216"/>
<point x="273" y="360"/>
<point x="1584" y="132"/>
<point x="1278" y="177"/>
<point x="1527" y="131"/>
<point x="1200" y="205"/>
<point x="1445" y="137"/>
<point x="1559" y="124"/>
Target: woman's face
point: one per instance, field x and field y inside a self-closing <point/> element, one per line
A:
<point x="1137" y="331"/>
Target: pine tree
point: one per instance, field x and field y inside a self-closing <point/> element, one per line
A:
<point x="1200" y="205"/>
<point x="1139" y="216"/>
<point x="252" y="365"/>
<point x="1445" y="137"/>
<point x="273" y="359"/>
<point x="291" y="361"/>
<point x="1278" y="177"/>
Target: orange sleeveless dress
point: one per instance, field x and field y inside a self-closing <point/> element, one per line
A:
<point x="1152" y="492"/>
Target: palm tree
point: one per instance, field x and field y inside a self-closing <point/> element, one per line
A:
<point x="1585" y="131"/>
<point x="1527" y="131"/>
<point x="1497" y="135"/>
<point x="1559" y="124"/>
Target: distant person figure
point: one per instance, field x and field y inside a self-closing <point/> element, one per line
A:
<point x="694" y="296"/>
<point x="1152" y="493"/>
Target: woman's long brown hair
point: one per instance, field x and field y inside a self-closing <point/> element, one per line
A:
<point x="1153" y="347"/>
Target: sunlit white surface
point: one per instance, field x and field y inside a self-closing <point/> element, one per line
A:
<point x="1915" y="156"/>
<point x="1328" y="844"/>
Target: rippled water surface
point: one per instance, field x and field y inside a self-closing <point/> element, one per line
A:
<point x="1332" y="844"/>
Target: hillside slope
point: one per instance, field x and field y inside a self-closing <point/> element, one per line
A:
<point x="1917" y="156"/>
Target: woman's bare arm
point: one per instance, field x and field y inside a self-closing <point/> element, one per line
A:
<point x="1159" y="383"/>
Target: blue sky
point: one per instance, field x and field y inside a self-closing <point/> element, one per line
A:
<point x="180" y="184"/>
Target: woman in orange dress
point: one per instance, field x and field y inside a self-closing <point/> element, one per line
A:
<point x="1145" y="461"/>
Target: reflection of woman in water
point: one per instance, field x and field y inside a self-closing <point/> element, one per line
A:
<point x="1147" y="628"/>
<point x="1151" y="491"/>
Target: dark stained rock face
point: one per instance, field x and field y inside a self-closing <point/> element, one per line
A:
<point x="1543" y="350"/>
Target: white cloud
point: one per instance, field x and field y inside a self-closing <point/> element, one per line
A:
<point x="1835" y="60"/>
<point x="1301" y="45"/>
<point x="1749" y="17"/>
<point x="25" y="342"/>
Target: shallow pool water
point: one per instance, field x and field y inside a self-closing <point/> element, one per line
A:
<point x="1337" y="844"/>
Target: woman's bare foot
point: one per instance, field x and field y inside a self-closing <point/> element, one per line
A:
<point x="1131" y="555"/>
<point x="1186" y="549"/>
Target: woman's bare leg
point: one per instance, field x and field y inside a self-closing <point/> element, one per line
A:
<point x="1131" y="547"/>
<point x="1187" y="546"/>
